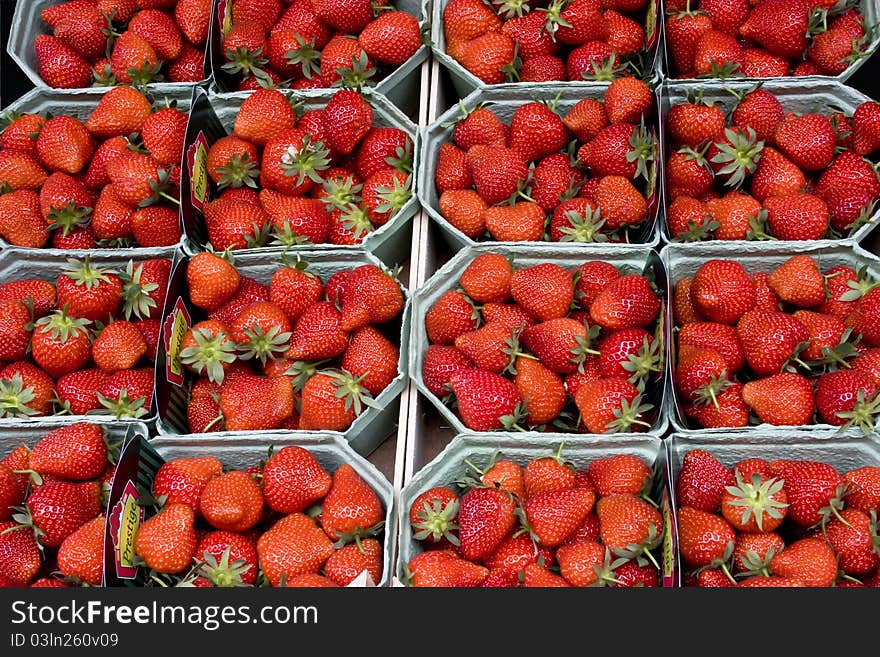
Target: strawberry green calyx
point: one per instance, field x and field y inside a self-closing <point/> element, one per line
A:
<point x="135" y="293"/>
<point x="758" y="227"/>
<point x="209" y="354"/>
<point x="584" y="347"/>
<point x="583" y="228"/>
<point x="515" y="421"/>
<point x="756" y="498"/>
<point x="68" y="217"/>
<point x="14" y="398"/>
<point x="641" y="552"/>
<point x="554" y="18"/>
<point x="722" y="563"/>
<point x="61" y="325"/>
<point x="605" y="573"/>
<point x="393" y="199"/>
<point x="709" y="392"/>
<point x="864" y="413"/>
<point x="246" y="62"/>
<point x="286" y="236"/>
<point x="606" y="70"/>
<point x="357" y="221"/>
<point x="306" y="55"/>
<point x="159" y="188"/>
<point x="644" y="362"/>
<point x="145" y="74"/>
<point x="627" y="416"/>
<point x="357" y="535"/>
<point x="223" y="573"/>
<point x="82" y="273"/>
<point x="754" y="565"/>
<point x="358" y="76"/>
<point x="307" y="161"/>
<point x="349" y="388"/>
<point x="511" y="8"/>
<point x="437" y="521"/>
<point x="739" y="155"/>
<point x="264" y="345"/>
<point x="258" y="236"/>
<point x="834" y="507"/>
<point x="239" y="171"/>
<point x="124" y="407"/>
<point x="512" y="350"/>
<point x="644" y="150"/>
<point x="402" y="160"/>
<point x="339" y="194"/>
<point x="859" y="288"/>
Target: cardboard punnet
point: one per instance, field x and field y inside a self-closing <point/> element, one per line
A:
<point x="465" y="82"/>
<point x="213" y="116"/>
<point x="504" y="101"/>
<point x="399" y="84"/>
<point x="449" y="466"/>
<point x="174" y="381"/>
<point x="27" y="24"/>
<point x="633" y="260"/>
<point x="843" y="453"/>
<point x="870" y="10"/>
<point x="802" y="95"/>
<point x="46" y="264"/>
<point x="80" y="103"/>
<point x="682" y="261"/>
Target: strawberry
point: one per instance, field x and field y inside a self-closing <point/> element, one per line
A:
<point x="700" y="375"/>
<point x="798" y="281"/>
<point x="296" y="220"/>
<point x="233" y="162"/>
<point x="781" y="399"/>
<point x="547" y="475"/>
<point x="770" y="339"/>
<point x="263" y="115"/>
<point x="485" y="517"/>
<point x="189" y="67"/>
<point x="704" y="538"/>
<point x="688" y="173"/>
<point x="433" y="514"/>
<point x="349" y="118"/>
<point x="847" y="186"/>
<point x="776" y="175"/>
<point x="716" y="52"/>
<point x="332" y="400"/>
<point x="810" y="560"/>
<point x="167" y="542"/>
<point x="444" y="569"/>
<point x="846" y="398"/>
<point x="60" y="343"/>
<point x="629" y="525"/>
<point x="862" y="488"/>
<point x="128" y="393"/>
<point x="59" y="65"/>
<point x="497" y="172"/>
<point x="484" y="398"/>
<point x="562" y="345"/>
<point x="764" y="581"/>
<point x="544" y="291"/>
<point x="89" y="292"/>
<point x="351" y="508"/>
<point x="797" y="216"/>
<point x="231" y="501"/>
<point x="251" y="403"/>
<point x="160" y="31"/>
<point x="15" y="331"/>
<point x="628" y="100"/>
<point x="81" y="554"/>
<point x="487" y="278"/>
<point x="370" y="297"/>
<point x="120" y="112"/>
<point x="21" y="171"/>
<point x="541" y="390"/>
<point x="780" y="26"/>
<point x="193" y="17"/>
<point x="866" y="363"/>
<point x="760" y="110"/>
<point x="611" y="405"/>
<point x="134" y="60"/>
<point x="19" y="130"/>
<point x="181" y="481"/>
<point x="554" y="516"/>
<point x="28" y="390"/>
<point x="64" y="145"/>
<point x="621" y="149"/>
<point x="627" y="302"/>
<point x="808" y="140"/>
<point x="702" y="481"/>
<point x="77" y="452"/>
<point x="866" y="128"/>
<point x="536" y="130"/>
<point x="318" y="334"/>
<point x="57" y="509"/>
<point x="716" y="337"/>
<point x="826" y="334"/>
<point x="293" y="480"/>
<point x="20" y="554"/>
<point x="489" y="56"/>
<point x="755" y="505"/>
<point x="521" y="222"/>
<point x="451" y="172"/>
<point x="851" y="538"/>
<point x="440" y="363"/>
<point x="591" y="278"/>
<point x="814" y="490"/>
<point x="722" y="291"/>
<point x="77" y="391"/>
<point x="372" y="356"/>
<point x="345" y="564"/>
<point x="392" y="38"/>
<point x="230" y="559"/>
<point x="163" y="133"/>
<point x="622" y="473"/>
<point x="693" y="124"/>
<point x="212" y="280"/>
<point x="119" y="346"/>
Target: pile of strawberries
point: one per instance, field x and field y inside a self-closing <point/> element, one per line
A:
<point x="772" y="38"/>
<point x="770" y="174"/>
<point x="309" y="44"/>
<point x="584" y="177"/>
<point x="298" y="353"/>
<point x="108" y="42"/>
<point x="84" y="344"/>
<point x="111" y="180"/>
<point x="545" y="348"/>
<point x="544" y="524"/>
<point x="52" y="503"/>
<point x="777" y="523"/>
<point x="328" y="176"/>
<point x="792" y="347"/>
<point x="284" y="522"/>
<point x="518" y="41"/>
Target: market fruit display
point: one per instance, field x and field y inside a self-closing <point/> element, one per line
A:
<point x="546" y="348"/>
<point x="795" y="346"/>
<point x="52" y="506"/>
<point x="539" y="524"/>
<point x="109" y="42"/>
<point x="777" y="523"/>
<point x="574" y="40"/>
<point x="109" y="180"/>
<point x="764" y="172"/>
<point x="311" y="44"/>
<point x="85" y="343"/>
<point x="285" y="521"/>
<point x="296" y="353"/>
<point x="585" y="174"/>
<point x="329" y="176"/>
<point x="775" y="38"/>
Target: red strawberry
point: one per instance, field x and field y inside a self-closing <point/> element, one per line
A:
<point x="182" y="480"/>
<point x="485" y="517"/>
<point x="770" y="339"/>
<point x="440" y="568"/>
<point x="57" y="509"/>
<point x="781" y="399"/>
<point x="866" y="128"/>
<point x="810" y="560"/>
<point x="611" y="405"/>
<point x="626" y="302"/>
<point x="59" y="65"/>
<point x="77" y="452"/>
<point x="704" y="538"/>
<point x="230" y="559"/>
<point x="20" y="555"/>
<point x="780" y="26"/>
<point x="814" y="490"/>
<point x="347" y="563"/>
<point x="622" y="473"/>
<point x="552" y="517"/>
<point x="863" y="488"/>
<point x="231" y="501"/>
<point x="852" y="540"/>
<point x="484" y="398"/>
<point x="702" y="481"/>
<point x="167" y="542"/>
<point x="629" y="525"/>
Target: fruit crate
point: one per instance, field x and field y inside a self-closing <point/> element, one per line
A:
<point x="870" y="9"/>
<point x="27" y="24"/>
<point x="46" y="264"/>
<point x="80" y="103"/>
<point x="400" y="86"/>
<point x="642" y="260"/>
<point x="503" y="101"/>
<point x="369" y="429"/>
<point x="682" y="261"/>
<point x="245" y="450"/>
<point x="215" y="115"/>
<point x="843" y="453"/>
<point x="801" y="95"/>
<point x="464" y="82"/>
<point x="449" y="466"/>
<point x="29" y="433"/>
